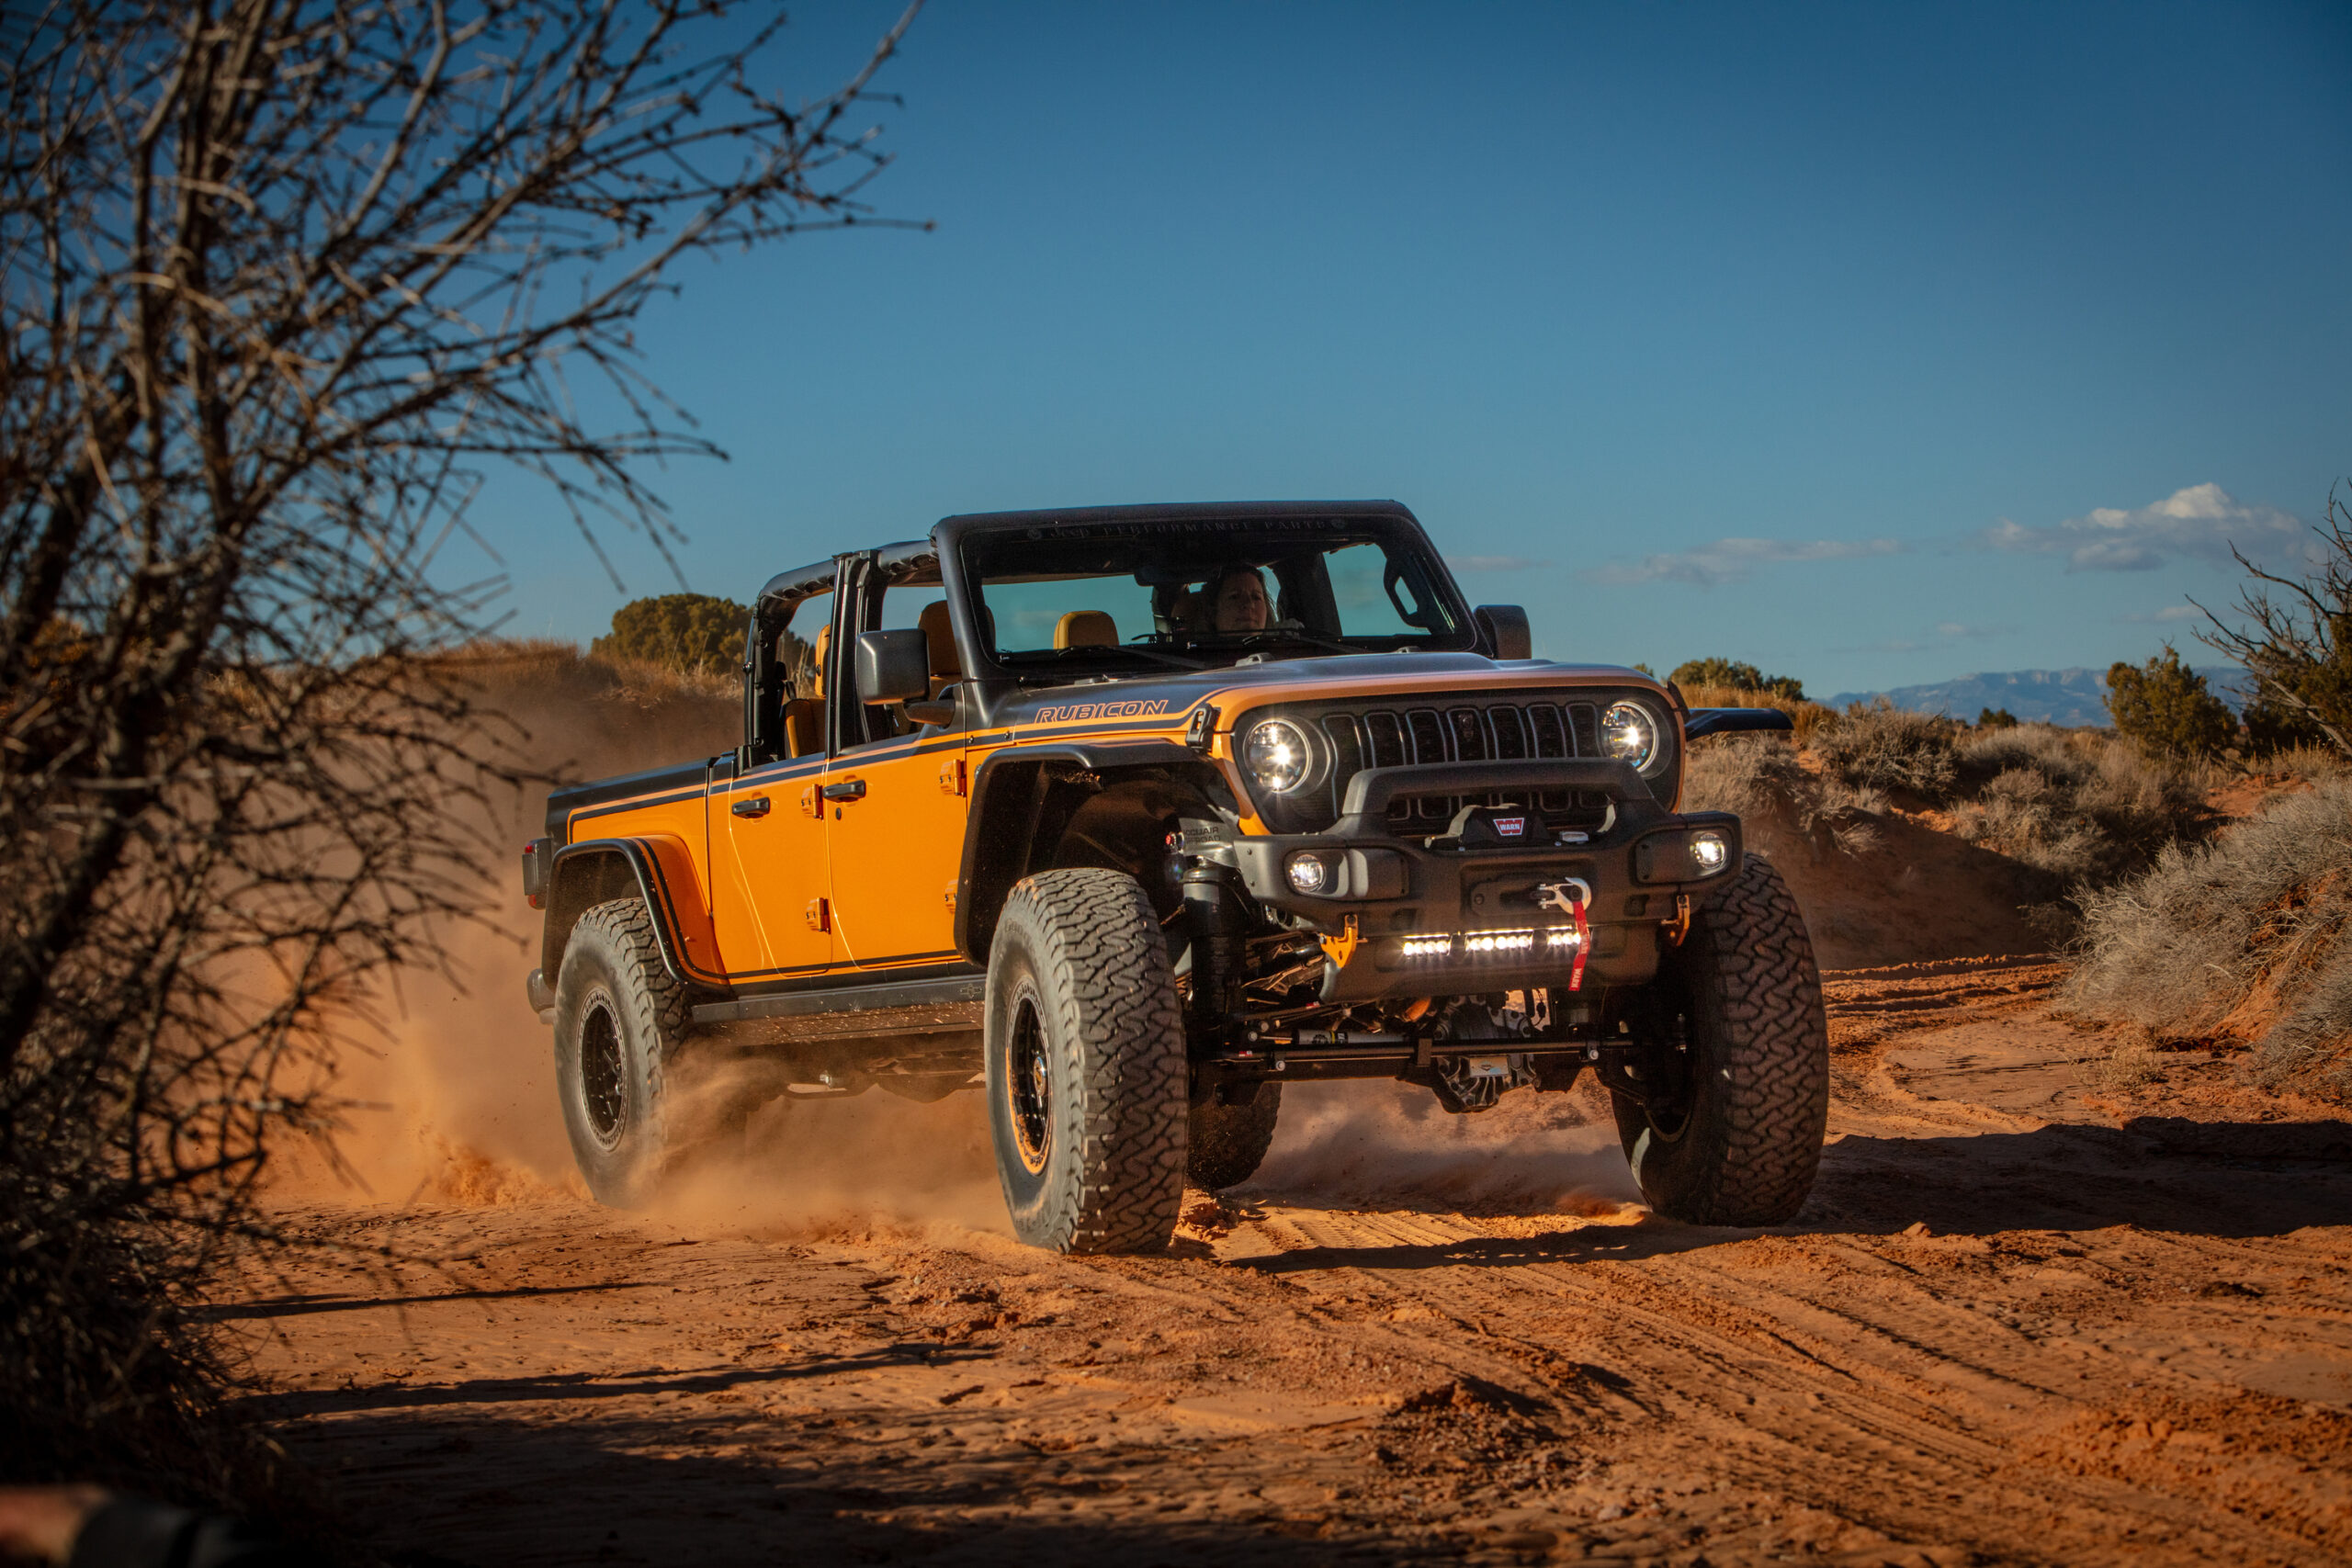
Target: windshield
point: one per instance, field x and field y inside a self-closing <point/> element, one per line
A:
<point x="1143" y="594"/>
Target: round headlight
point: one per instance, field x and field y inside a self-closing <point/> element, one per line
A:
<point x="1275" y="755"/>
<point x="1629" y="734"/>
<point x="1709" y="852"/>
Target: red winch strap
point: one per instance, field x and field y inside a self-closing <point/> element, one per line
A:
<point x="1576" y="972"/>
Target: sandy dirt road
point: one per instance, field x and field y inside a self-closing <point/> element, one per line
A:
<point x="2024" y="1319"/>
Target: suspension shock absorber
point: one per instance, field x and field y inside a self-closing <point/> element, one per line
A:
<point x="1219" y="922"/>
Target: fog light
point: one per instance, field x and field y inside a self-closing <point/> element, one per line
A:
<point x="1307" y="872"/>
<point x="1709" y="852"/>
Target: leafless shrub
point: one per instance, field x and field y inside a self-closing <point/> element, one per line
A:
<point x="2245" y="936"/>
<point x="1887" y="748"/>
<point x="273" y="278"/>
<point x="2297" y="645"/>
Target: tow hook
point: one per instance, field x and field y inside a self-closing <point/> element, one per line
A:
<point x="1678" y="928"/>
<point x="1341" y="948"/>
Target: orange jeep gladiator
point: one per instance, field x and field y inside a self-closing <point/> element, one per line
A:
<point x="1129" y="815"/>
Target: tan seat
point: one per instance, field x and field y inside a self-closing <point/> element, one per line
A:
<point x="1086" y="628"/>
<point x="939" y="636"/>
<point x="824" y="647"/>
<point x="804" y="726"/>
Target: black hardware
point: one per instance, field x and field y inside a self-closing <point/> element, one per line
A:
<point x="846" y="789"/>
<point x="755" y="806"/>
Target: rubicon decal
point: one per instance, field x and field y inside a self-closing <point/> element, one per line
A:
<point x="1104" y="710"/>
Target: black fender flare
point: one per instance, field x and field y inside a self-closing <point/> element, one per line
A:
<point x="1733" y="721"/>
<point x="1006" y="801"/>
<point x="587" y="874"/>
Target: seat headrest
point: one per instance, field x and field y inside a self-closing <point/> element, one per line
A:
<point x="1185" y="612"/>
<point x="1086" y="628"/>
<point x="940" y="635"/>
<point x="824" y="645"/>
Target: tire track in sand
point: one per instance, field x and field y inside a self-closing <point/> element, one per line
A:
<point x="1874" y="1370"/>
<point x="2018" y="1323"/>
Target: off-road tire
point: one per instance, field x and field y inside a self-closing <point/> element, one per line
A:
<point x="1085" y="1065"/>
<point x="619" y="1021"/>
<point x="1231" y="1141"/>
<point x="1758" y="1079"/>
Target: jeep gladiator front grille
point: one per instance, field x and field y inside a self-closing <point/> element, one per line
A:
<point x="1454" y="730"/>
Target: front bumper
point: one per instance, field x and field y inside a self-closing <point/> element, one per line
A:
<point x="1388" y="900"/>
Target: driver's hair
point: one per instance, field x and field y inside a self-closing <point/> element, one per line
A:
<point x="1200" y="613"/>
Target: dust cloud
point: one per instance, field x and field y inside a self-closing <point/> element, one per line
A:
<point x="451" y="1097"/>
<point x="1363" y="1142"/>
<point x="451" y="1100"/>
<point x="817" y="1165"/>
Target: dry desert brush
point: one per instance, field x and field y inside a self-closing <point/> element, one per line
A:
<point x="2074" y="808"/>
<point x="280" y="280"/>
<point x="2248" y="937"/>
<point x="2082" y="806"/>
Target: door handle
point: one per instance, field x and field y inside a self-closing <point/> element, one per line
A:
<point x="755" y="806"/>
<point x="846" y="789"/>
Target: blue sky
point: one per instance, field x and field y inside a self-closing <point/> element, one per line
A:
<point x="1872" y="344"/>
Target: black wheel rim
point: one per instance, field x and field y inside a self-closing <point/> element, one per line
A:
<point x="1673" y="1078"/>
<point x="1028" y="1086"/>
<point x="602" y="1088"/>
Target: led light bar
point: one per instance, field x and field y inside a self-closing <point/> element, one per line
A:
<point x="1484" y="944"/>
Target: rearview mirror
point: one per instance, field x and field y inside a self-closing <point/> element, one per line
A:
<point x="893" y="666"/>
<point x="1504" y="627"/>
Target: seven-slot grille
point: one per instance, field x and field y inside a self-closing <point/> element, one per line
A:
<point x="1458" y="731"/>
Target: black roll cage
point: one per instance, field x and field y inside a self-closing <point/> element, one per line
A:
<point x="857" y="580"/>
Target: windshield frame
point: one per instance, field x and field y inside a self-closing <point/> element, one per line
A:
<point x="960" y="540"/>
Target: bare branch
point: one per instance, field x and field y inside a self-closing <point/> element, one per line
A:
<point x="280" y="279"/>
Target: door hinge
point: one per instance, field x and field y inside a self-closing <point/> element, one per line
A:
<point x="951" y="777"/>
<point x="808" y="807"/>
<point x="951" y="895"/>
<point x="821" y="915"/>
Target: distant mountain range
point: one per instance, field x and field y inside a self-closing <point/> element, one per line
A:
<point x="2076" y="696"/>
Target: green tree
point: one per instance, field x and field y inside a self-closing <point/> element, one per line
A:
<point x="1995" y="718"/>
<point x="1736" y="674"/>
<point x="692" y="632"/>
<point x="2165" y="707"/>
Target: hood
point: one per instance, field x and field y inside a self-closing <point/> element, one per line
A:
<point x="1176" y="692"/>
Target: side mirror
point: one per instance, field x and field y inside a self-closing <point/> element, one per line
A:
<point x="1505" y="628"/>
<point x="893" y="666"/>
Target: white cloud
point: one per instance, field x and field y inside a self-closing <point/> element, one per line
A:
<point x="1494" y="563"/>
<point x="1731" y="560"/>
<point x="2203" y="520"/>
<point x="2169" y="612"/>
